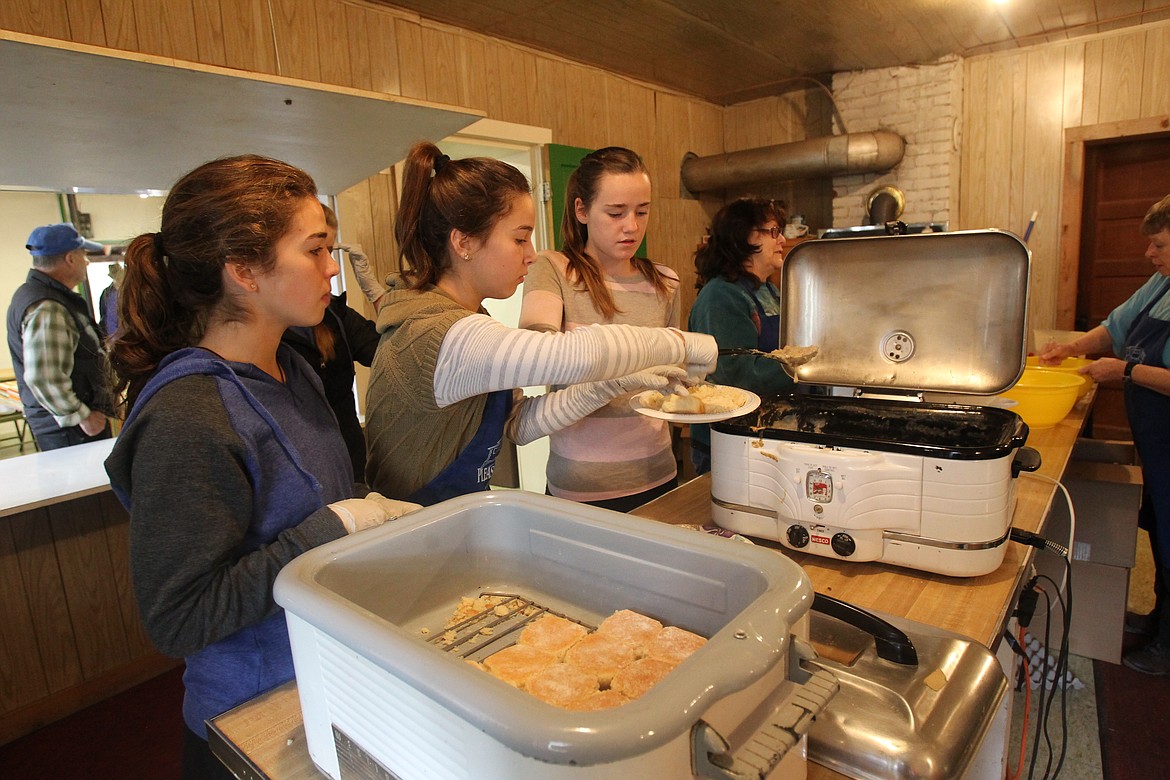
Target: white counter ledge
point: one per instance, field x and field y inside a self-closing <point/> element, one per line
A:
<point x="44" y="478"/>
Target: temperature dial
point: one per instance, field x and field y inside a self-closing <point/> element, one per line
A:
<point x="797" y="536"/>
<point x="843" y="545"/>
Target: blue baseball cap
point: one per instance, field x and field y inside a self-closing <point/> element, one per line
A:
<point x="58" y="239"/>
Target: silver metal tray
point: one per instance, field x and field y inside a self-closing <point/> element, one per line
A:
<point x="898" y="722"/>
<point x="941" y="312"/>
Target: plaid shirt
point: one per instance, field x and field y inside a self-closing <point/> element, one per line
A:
<point x="50" y="337"/>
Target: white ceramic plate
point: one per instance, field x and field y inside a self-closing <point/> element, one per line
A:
<point x="753" y="402"/>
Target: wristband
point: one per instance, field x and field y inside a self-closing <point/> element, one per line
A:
<point x="346" y="517"/>
<point x="1128" y="375"/>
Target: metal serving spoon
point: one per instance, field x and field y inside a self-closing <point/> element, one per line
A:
<point x="789" y="360"/>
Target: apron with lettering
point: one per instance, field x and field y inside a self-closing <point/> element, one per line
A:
<point x="1149" y="419"/>
<point x="472" y="469"/>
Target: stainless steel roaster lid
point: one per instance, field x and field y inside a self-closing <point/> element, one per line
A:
<point x="938" y="312"/>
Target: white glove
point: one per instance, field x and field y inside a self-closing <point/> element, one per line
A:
<point x="702" y="353"/>
<point x="541" y="415"/>
<point x="358" y="514"/>
<point x="653" y="378"/>
<point x="366" y="278"/>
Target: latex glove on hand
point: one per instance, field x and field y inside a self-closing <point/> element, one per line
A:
<point x="653" y="378"/>
<point x="366" y="278"/>
<point x="702" y="353"/>
<point x="358" y="514"/>
<point x="591" y="396"/>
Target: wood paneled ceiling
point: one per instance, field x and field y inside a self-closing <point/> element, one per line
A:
<point x="728" y="51"/>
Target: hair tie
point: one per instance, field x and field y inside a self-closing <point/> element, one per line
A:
<point x="440" y="163"/>
<point x="160" y="251"/>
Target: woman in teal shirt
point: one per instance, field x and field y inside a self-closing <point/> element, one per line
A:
<point x="1138" y="333"/>
<point x="738" y="305"/>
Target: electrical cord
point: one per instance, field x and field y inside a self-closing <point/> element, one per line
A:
<point x="1026" y="604"/>
<point x="1057" y="675"/>
<point x="823" y="88"/>
<point x="1025" y="611"/>
<point x="1072" y="518"/>
<point x="1036" y="540"/>
<point x="1060" y="675"/>
<point x="1042" y="714"/>
<point x="1021" y="679"/>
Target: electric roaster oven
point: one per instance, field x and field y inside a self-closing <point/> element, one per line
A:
<point x="387" y="690"/>
<point x="862" y="468"/>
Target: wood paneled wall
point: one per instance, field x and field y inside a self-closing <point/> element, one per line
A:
<point x="71" y="635"/>
<point x="1018" y="107"/>
<point x="354" y="44"/>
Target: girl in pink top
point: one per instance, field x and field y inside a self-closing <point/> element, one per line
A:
<point x="615" y="457"/>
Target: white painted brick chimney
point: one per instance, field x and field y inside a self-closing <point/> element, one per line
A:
<point x="923" y="105"/>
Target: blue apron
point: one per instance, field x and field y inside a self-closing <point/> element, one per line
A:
<point x="769" y="337"/>
<point x="472" y="469"/>
<point x="1149" y="419"/>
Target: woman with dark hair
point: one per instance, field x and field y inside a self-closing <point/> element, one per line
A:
<point x="1138" y="333"/>
<point x="230" y="462"/>
<point x="445" y="384"/>
<point x="738" y="305"/>
<point x="331" y="347"/>
<point x="615" y="457"/>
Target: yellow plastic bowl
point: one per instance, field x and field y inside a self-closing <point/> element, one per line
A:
<point x="1043" y="397"/>
<point x="1072" y="366"/>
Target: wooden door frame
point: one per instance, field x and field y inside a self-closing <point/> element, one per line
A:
<point x="1072" y="199"/>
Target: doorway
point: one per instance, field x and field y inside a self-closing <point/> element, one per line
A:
<point x="1123" y="177"/>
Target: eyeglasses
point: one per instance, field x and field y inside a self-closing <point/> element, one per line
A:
<point x="775" y="231"/>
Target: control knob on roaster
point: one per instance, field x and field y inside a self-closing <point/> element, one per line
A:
<point x="797" y="536"/>
<point x="843" y="545"/>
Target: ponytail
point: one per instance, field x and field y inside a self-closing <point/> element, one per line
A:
<point x="440" y="195"/>
<point x="152" y="323"/>
<point x="325" y="341"/>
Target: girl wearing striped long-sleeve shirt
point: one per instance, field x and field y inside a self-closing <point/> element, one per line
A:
<point x="445" y="384"/>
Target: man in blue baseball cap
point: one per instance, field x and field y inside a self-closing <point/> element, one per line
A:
<point x="57" y="352"/>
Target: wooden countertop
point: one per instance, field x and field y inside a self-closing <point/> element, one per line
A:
<point x="265" y="738"/>
<point x="43" y="478"/>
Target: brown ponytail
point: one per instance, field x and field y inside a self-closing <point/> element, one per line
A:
<point x="440" y="195"/>
<point x="325" y="341"/>
<point x="322" y="333"/>
<point x="584" y="183"/>
<point x="236" y="207"/>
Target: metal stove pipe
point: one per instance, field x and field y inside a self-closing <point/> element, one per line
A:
<point x="832" y="155"/>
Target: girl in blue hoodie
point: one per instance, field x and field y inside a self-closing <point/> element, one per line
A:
<point x="230" y="461"/>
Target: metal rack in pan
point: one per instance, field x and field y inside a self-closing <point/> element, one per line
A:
<point x="494" y="628"/>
